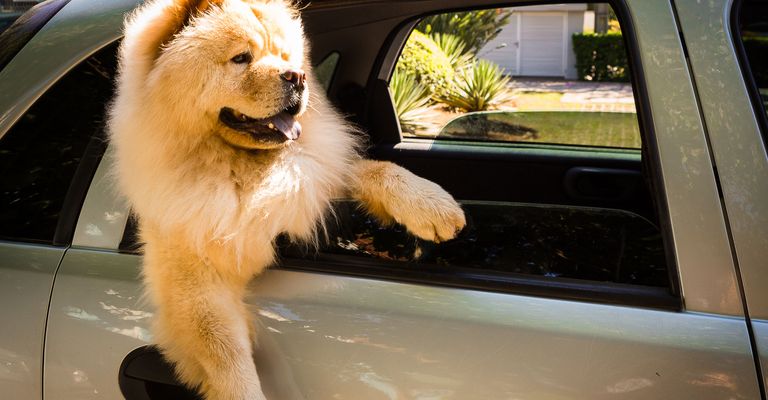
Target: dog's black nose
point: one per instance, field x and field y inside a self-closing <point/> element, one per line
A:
<point x="294" y="76"/>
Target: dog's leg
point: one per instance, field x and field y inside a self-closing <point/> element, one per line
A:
<point x="392" y="193"/>
<point x="202" y="324"/>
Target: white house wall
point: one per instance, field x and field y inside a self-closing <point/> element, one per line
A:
<point x="505" y="49"/>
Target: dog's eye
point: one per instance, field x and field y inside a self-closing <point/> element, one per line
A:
<point x="242" y="58"/>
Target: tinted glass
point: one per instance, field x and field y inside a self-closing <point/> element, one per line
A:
<point x="753" y="24"/>
<point x="514" y="238"/>
<point x="40" y="154"/>
<point x="554" y="74"/>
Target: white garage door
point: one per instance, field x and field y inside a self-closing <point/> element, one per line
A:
<point x="542" y="44"/>
<point x="503" y="48"/>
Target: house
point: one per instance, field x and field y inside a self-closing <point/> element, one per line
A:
<point x="537" y="40"/>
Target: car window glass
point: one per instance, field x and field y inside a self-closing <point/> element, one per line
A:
<point x="515" y="238"/>
<point x="545" y="74"/>
<point x="40" y="154"/>
<point x="753" y="27"/>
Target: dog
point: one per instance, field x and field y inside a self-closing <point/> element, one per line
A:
<point x="223" y="141"/>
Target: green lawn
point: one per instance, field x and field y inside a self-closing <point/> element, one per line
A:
<point x="603" y="129"/>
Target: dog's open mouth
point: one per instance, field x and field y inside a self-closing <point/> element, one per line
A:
<point x="276" y="129"/>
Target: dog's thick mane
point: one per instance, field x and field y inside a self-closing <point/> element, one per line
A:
<point x="182" y="180"/>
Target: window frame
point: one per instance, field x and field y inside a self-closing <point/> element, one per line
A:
<point x="385" y="140"/>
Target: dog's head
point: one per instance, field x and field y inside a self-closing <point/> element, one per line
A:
<point x="241" y="64"/>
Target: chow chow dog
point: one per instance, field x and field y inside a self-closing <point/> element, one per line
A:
<point x="224" y="140"/>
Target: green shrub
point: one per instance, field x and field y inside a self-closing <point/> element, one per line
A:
<point x="601" y="57"/>
<point x="423" y="59"/>
<point x="411" y="100"/>
<point x="474" y="28"/>
<point x="478" y="88"/>
<point x="455" y="49"/>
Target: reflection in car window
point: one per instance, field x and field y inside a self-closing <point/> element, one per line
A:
<point x="547" y="74"/>
<point x="753" y="26"/>
<point x="551" y="241"/>
<point x="41" y="152"/>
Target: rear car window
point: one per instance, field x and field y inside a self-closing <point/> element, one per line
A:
<point x="41" y="153"/>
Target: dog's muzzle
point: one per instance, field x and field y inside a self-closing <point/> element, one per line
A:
<point x="277" y="128"/>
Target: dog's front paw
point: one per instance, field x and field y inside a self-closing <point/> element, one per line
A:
<point x="392" y="193"/>
<point x="428" y="211"/>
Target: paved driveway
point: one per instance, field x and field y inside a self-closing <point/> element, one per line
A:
<point x="558" y="94"/>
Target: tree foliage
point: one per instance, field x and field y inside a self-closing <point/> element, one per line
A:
<point x="426" y="62"/>
<point x="474" y="28"/>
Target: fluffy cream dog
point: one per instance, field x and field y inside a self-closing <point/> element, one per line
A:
<point x="224" y="143"/>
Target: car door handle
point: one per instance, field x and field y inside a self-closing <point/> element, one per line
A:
<point x="146" y="375"/>
<point x="602" y="184"/>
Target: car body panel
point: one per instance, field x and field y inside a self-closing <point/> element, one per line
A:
<point x="760" y="331"/>
<point x="707" y="275"/>
<point x="325" y="336"/>
<point x="731" y="122"/>
<point x="743" y="170"/>
<point x="26" y="279"/>
<point x="97" y="316"/>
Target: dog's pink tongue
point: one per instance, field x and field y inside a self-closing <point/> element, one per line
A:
<point x="286" y="124"/>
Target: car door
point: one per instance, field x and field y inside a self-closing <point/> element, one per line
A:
<point x="345" y="326"/>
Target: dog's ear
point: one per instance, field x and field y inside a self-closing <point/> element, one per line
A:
<point x="181" y="11"/>
<point x="154" y="25"/>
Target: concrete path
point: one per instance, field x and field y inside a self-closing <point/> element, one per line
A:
<point x="579" y="95"/>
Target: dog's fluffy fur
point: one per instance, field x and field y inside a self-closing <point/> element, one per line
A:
<point x="210" y="198"/>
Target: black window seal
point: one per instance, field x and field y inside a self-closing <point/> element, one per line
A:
<point x="13" y="39"/>
<point x="473" y="279"/>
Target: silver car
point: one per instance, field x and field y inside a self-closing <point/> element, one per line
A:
<point x="586" y="271"/>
